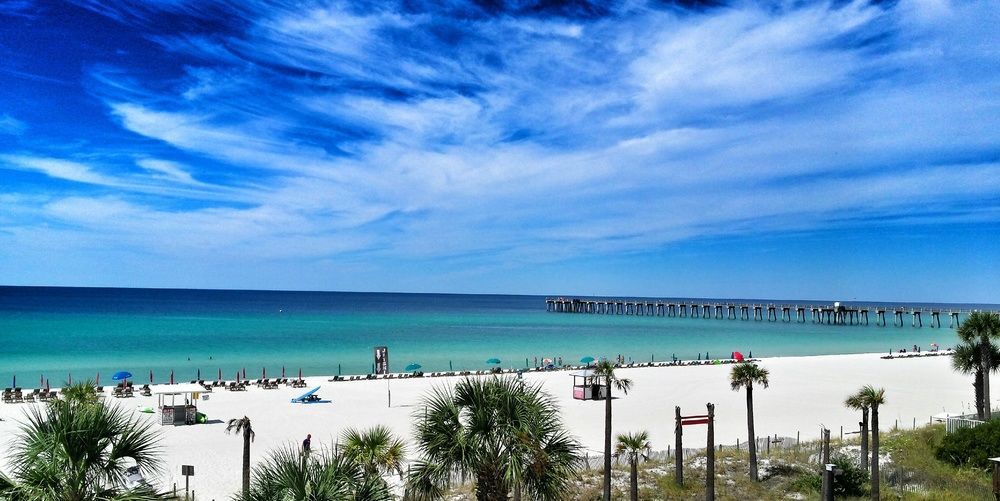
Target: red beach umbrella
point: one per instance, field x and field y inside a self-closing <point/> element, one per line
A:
<point x="171" y="376"/>
<point x="738" y="356"/>
<point x="282" y="372"/>
<point x="300" y="373"/>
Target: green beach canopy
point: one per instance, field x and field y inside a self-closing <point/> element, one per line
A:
<point x="493" y="361"/>
<point x="587" y="360"/>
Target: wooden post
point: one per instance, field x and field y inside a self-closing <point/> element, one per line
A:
<point x="826" y="446"/>
<point x="996" y="478"/>
<point x="678" y="448"/>
<point x="710" y="452"/>
<point x="828" y="474"/>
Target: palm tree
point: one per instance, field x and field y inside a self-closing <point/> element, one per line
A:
<point x="745" y="375"/>
<point x="506" y="433"/>
<point x="285" y="476"/>
<point x="376" y="450"/>
<point x="634" y="446"/>
<point x="606" y="370"/>
<point x="80" y="449"/>
<point x="967" y="359"/>
<point x="982" y="327"/>
<point x="872" y="398"/>
<point x="856" y="402"/>
<point x="237" y="426"/>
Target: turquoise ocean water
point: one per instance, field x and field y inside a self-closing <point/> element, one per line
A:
<point x="55" y="332"/>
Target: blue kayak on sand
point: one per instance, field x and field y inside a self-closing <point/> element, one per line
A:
<point x="310" y="397"/>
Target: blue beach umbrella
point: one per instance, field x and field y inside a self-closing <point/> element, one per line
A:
<point x="121" y="375"/>
<point x="587" y="360"/>
<point x="412" y="367"/>
<point x="493" y="361"/>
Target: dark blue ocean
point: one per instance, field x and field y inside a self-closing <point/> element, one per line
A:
<point x="56" y="332"/>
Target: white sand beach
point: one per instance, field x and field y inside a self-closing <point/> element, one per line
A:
<point x="805" y="393"/>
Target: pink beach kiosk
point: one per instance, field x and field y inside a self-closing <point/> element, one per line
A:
<point x="587" y="386"/>
<point x="177" y="404"/>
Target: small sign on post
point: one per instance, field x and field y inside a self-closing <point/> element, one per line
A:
<point x="188" y="471"/>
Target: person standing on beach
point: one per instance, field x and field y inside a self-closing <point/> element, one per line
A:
<point x="306" y="444"/>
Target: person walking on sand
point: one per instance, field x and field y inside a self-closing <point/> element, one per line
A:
<point x="306" y="444"/>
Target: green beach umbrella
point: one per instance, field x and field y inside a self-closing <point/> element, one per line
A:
<point x="587" y="360"/>
<point x="412" y="367"/>
<point x="493" y="361"/>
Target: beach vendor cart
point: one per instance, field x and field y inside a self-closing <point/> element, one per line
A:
<point x="587" y="386"/>
<point x="178" y="404"/>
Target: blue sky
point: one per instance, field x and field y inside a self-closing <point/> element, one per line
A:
<point x="750" y="149"/>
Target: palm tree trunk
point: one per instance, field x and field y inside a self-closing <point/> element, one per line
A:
<point x="751" y="438"/>
<point x="607" y="441"/>
<point x="246" y="462"/>
<point x="986" y="363"/>
<point x="977" y="388"/>
<point x="634" y="478"/>
<point x="864" y="438"/>
<point x="875" y="479"/>
<point x="490" y="486"/>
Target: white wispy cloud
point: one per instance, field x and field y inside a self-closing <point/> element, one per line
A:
<point x="11" y="125"/>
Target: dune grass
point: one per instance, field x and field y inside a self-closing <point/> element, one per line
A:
<point x="912" y="473"/>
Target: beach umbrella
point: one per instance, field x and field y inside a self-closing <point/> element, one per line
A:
<point x="300" y="373"/>
<point x="244" y="373"/>
<point x="41" y="381"/>
<point x="587" y="360"/>
<point x="237" y="377"/>
<point x="69" y="379"/>
<point x="98" y="382"/>
<point x="412" y="367"/>
<point x="493" y="361"/>
<point x="199" y="374"/>
<point x="171" y="376"/>
<point x="450" y="367"/>
<point x="14" y="384"/>
<point x="751" y="354"/>
<point x="282" y="372"/>
<point x="47" y="387"/>
<point x="738" y="356"/>
<point x="220" y="373"/>
<point x="121" y="376"/>
<point x="263" y="372"/>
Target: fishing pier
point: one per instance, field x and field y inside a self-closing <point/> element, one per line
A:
<point x="835" y="314"/>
